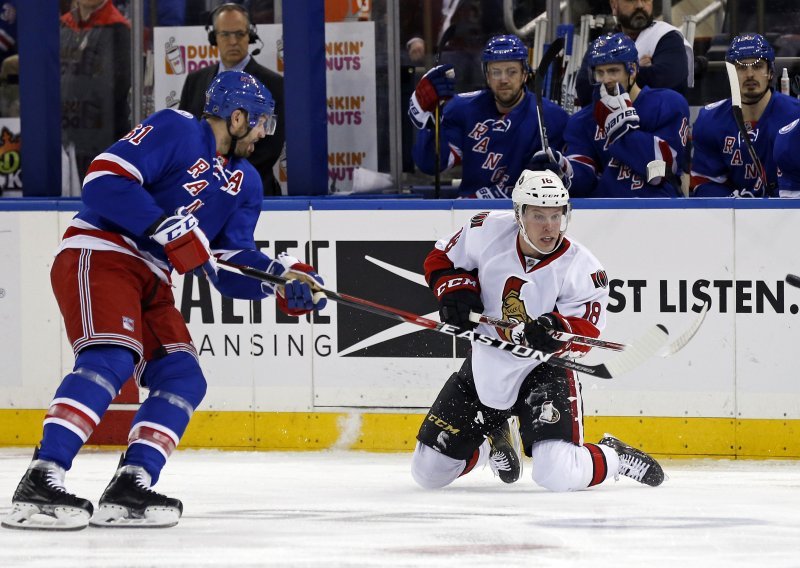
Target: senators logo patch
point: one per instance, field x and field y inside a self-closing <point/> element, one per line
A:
<point x="600" y="279"/>
<point x="513" y="308"/>
<point x="478" y="219"/>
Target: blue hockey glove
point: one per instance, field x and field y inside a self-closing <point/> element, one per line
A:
<point x="436" y="85"/>
<point x="554" y="161"/>
<point x="301" y="294"/>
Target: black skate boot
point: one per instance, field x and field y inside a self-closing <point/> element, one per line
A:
<point x="129" y="502"/>
<point x="505" y="458"/>
<point x="635" y="463"/>
<point x="41" y="502"/>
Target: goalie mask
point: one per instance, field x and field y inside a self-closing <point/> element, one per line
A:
<point x="541" y="189"/>
<point x="237" y="90"/>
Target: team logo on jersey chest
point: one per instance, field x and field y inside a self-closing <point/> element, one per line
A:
<point x="513" y="308"/>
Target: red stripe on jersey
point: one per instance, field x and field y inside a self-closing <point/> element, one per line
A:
<point x="73" y="415"/>
<point x="585" y="160"/>
<point x="599" y="464"/>
<point x="100" y="165"/>
<point x="666" y="153"/>
<point x="437" y="260"/>
<point x="155" y="437"/>
<point x="115" y="238"/>
<point x="471" y="462"/>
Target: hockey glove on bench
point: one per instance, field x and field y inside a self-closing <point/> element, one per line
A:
<point x="615" y="114"/>
<point x="436" y="85"/>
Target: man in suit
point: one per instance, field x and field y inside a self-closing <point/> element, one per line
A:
<point x="231" y="30"/>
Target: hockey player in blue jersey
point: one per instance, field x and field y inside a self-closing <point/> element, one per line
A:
<point x="787" y="159"/>
<point x="721" y="165"/>
<point x="632" y="141"/>
<point x="173" y="193"/>
<point x="493" y="133"/>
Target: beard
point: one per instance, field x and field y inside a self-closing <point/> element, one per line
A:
<point x="637" y="21"/>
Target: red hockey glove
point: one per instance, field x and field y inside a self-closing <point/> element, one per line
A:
<point x="615" y="114"/>
<point x="185" y="244"/>
<point x="459" y="293"/>
<point x="436" y="85"/>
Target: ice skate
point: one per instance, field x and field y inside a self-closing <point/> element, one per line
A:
<point x="42" y="503"/>
<point x="634" y="463"/>
<point x="505" y="458"/>
<point x="129" y="502"/>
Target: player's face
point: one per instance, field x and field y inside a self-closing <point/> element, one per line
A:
<point x="611" y="74"/>
<point x="543" y="226"/>
<point x="246" y="145"/>
<point x="505" y="79"/>
<point x="754" y="77"/>
<point x="633" y="15"/>
<point x="232" y="37"/>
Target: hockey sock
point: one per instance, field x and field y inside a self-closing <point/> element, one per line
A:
<point x="479" y="457"/>
<point x="605" y="462"/>
<point x="176" y="387"/>
<point x="81" y="400"/>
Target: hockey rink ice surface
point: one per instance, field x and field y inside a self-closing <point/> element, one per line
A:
<point x="343" y="508"/>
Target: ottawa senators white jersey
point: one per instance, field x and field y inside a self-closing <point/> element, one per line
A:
<point x="569" y="281"/>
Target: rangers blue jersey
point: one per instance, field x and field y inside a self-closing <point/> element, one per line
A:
<point x="493" y="149"/>
<point x="787" y="159"/>
<point x="167" y="163"/>
<point x="620" y="169"/>
<point x="721" y="163"/>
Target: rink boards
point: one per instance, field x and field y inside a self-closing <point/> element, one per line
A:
<point x="349" y="379"/>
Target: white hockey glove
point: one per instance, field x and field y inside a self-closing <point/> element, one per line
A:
<point x="615" y="114"/>
<point x="301" y="294"/>
<point x="554" y="161"/>
<point x="186" y="245"/>
<point x="436" y="85"/>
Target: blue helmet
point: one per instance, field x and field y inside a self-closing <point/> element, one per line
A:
<point x="237" y="90"/>
<point x="750" y="46"/>
<point x="505" y="48"/>
<point x="614" y="48"/>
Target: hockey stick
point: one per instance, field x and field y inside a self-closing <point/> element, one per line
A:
<point x="437" y="181"/>
<point x="736" y="107"/>
<point x="640" y="350"/>
<point x="538" y="85"/>
<point x="793" y="280"/>
<point x="666" y="351"/>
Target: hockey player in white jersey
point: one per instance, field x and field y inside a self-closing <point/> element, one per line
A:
<point x="520" y="266"/>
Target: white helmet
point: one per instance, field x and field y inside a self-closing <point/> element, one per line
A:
<point x="541" y="189"/>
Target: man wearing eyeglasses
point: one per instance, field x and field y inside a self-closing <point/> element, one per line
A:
<point x="492" y="133"/>
<point x="666" y="59"/>
<point x="231" y="31"/>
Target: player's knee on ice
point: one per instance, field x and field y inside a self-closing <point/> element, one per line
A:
<point x="433" y="470"/>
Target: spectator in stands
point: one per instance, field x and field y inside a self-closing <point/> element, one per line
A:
<point x="721" y="165"/>
<point x="95" y="79"/>
<point x="632" y="142"/>
<point x="666" y="59"/>
<point x="231" y="29"/>
<point x="493" y="133"/>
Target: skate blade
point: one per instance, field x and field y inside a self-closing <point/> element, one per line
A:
<point x="117" y="516"/>
<point x="27" y="516"/>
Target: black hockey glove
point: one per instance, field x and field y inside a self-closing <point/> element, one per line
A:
<point x="538" y="333"/>
<point x="458" y="293"/>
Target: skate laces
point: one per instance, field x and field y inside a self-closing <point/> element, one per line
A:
<point x="633" y="467"/>
<point x="498" y="460"/>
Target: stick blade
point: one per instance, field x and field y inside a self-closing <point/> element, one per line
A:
<point x="733" y="80"/>
<point x="793" y="280"/>
<point x="687" y="335"/>
<point x="641" y="349"/>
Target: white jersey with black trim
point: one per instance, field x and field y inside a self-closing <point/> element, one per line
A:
<point x="570" y="281"/>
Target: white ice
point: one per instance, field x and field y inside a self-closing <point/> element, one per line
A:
<point x="340" y="508"/>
